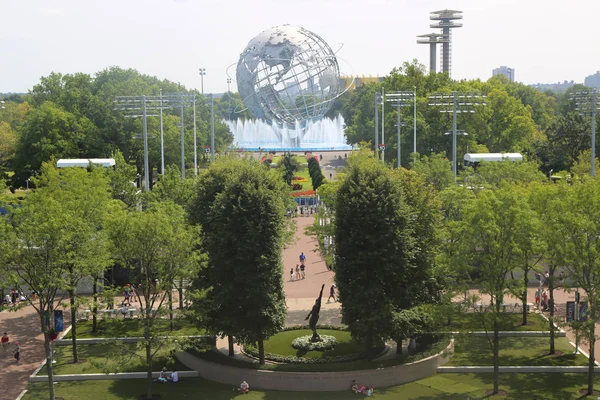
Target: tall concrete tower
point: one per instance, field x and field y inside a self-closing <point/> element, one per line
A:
<point x="432" y="40"/>
<point x="446" y="23"/>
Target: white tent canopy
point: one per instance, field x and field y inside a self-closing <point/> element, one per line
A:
<point x="85" y="162"/>
<point x="472" y="158"/>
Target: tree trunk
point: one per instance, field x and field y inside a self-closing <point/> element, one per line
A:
<point x="95" y="305"/>
<point x="73" y="326"/>
<point x="261" y="352"/>
<point x="49" y="368"/>
<point x="180" y="294"/>
<point x="551" y="319"/>
<point x="524" y="296"/>
<point x="496" y="351"/>
<point x="399" y="345"/>
<point x="149" y="371"/>
<point x="592" y="359"/>
<point x="230" y="342"/>
<point x="171" y="310"/>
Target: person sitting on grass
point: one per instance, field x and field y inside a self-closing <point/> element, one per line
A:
<point x="244" y="387"/>
<point x="174" y="376"/>
<point x="354" y="387"/>
<point x="368" y="392"/>
<point x="162" y="378"/>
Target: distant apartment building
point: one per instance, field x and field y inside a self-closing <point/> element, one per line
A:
<point x="592" y="81"/>
<point x="506" y="71"/>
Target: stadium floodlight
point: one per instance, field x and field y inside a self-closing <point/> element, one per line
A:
<point x="587" y="104"/>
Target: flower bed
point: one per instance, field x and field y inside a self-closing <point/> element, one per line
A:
<point x="327" y="342"/>
<point x="304" y="193"/>
<point x="299" y="179"/>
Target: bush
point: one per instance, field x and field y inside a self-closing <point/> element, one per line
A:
<point x="296" y="186"/>
<point x="253" y="351"/>
<point x="304" y="343"/>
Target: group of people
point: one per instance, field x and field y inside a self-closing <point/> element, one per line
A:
<point x="367" y="391"/>
<point x="542" y="301"/>
<point x="14" y="297"/>
<point x="300" y="271"/>
<point x="164" y="378"/>
<point x="5" y="341"/>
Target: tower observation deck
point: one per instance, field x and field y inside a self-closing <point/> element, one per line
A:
<point x="432" y="40"/>
<point x="446" y="23"/>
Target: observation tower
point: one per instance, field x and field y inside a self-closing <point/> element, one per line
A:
<point x="432" y="40"/>
<point x="446" y="23"/>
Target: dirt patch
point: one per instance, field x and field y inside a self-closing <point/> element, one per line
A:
<point x="500" y="393"/>
<point x="584" y="392"/>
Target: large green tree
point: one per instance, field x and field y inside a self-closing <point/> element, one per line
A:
<point x="241" y="207"/>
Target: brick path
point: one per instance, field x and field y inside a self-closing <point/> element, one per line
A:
<point x="24" y="326"/>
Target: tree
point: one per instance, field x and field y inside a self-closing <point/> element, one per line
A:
<point x="289" y="168"/>
<point x="377" y="250"/>
<point x="241" y="207"/>
<point x="85" y="197"/>
<point x="579" y="250"/>
<point x="490" y="245"/>
<point x="436" y="168"/>
<point x="157" y="247"/>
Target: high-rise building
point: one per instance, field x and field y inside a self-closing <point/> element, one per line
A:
<point x="506" y="71"/>
<point x="592" y="81"/>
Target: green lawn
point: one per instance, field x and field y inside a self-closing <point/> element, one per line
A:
<point x="97" y="353"/>
<point x="220" y="358"/>
<point x="470" y="350"/>
<point x="118" y="327"/>
<point x="281" y="344"/>
<point x="472" y="321"/>
<point x="440" y="386"/>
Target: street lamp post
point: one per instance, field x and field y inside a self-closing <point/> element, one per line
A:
<point x="202" y="72"/>
<point x="162" y="141"/>
<point x="378" y="100"/>
<point x="456" y="103"/>
<point x="400" y="99"/>
<point x="383" y="123"/>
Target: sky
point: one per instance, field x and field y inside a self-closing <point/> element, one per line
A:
<point x="543" y="40"/>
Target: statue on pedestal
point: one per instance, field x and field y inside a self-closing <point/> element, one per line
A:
<point x="314" y="317"/>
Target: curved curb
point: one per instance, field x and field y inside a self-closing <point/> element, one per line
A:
<point x="318" y="381"/>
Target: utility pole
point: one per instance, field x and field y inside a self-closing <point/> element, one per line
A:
<point x="415" y="124"/>
<point x="378" y="100"/>
<point x="400" y="99"/>
<point x="456" y="103"/>
<point x="212" y="126"/>
<point x="587" y="104"/>
<point x="182" y="137"/>
<point x="383" y="123"/>
<point x="132" y="105"/>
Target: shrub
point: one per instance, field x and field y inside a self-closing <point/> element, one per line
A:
<point x="304" y="343"/>
<point x="296" y="186"/>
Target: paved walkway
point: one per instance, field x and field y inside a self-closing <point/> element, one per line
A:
<point x="22" y="325"/>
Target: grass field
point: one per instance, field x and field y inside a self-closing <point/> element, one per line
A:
<point x="472" y="321"/>
<point x="118" y="327"/>
<point x="98" y="354"/>
<point x="440" y="386"/>
<point x="470" y="350"/>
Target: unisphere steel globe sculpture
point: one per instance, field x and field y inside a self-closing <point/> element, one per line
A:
<point x="288" y="75"/>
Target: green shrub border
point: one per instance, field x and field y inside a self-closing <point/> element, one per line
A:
<point x="252" y="351"/>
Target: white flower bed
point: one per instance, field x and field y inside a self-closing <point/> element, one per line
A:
<point x="303" y="343"/>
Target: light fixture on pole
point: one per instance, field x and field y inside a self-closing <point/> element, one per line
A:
<point x="162" y="140"/>
<point x="195" y="135"/>
<point x="401" y="99"/>
<point x="2" y="103"/>
<point x="383" y="123"/>
<point x="202" y="72"/>
<point x="456" y="103"/>
<point x="587" y="104"/>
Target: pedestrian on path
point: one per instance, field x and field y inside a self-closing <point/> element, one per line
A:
<point x="297" y="272"/>
<point x="292" y="274"/>
<point x="302" y="267"/>
<point x="17" y="351"/>
<point x="5" y="341"/>
<point x="332" y="294"/>
<point x="302" y="258"/>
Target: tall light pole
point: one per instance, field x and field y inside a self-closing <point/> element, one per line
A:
<point x="400" y="99"/>
<point x="195" y="146"/>
<point x="456" y="103"/>
<point x="229" y="80"/>
<point x="182" y="133"/>
<point x="587" y="104"/>
<point x="415" y="123"/>
<point x="162" y="141"/>
<point x="212" y="126"/>
<point x="378" y="100"/>
<point x="202" y="72"/>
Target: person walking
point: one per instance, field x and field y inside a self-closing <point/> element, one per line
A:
<point x="302" y="267"/>
<point x="292" y="274"/>
<point x="17" y="351"/>
<point x="332" y="294"/>
<point x="297" y="272"/>
<point x="302" y="258"/>
<point x="5" y="342"/>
